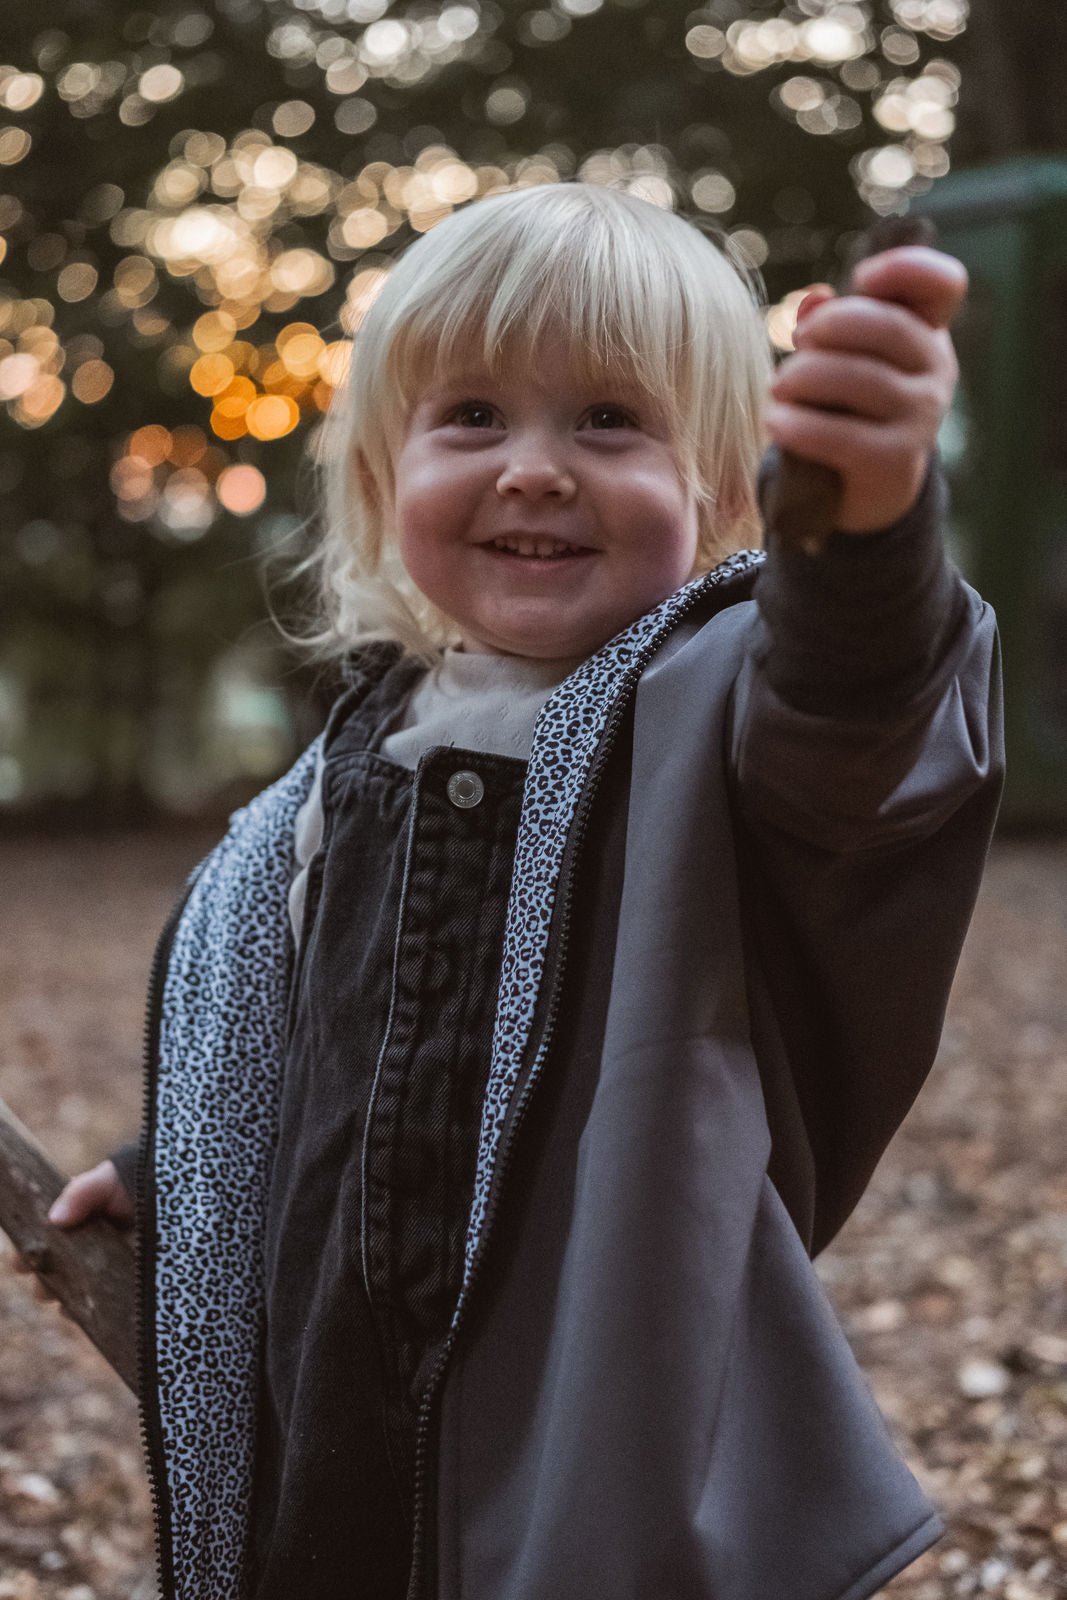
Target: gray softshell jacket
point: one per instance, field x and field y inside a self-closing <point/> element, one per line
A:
<point x="752" y="834"/>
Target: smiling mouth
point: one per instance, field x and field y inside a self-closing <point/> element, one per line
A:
<point x="542" y="549"/>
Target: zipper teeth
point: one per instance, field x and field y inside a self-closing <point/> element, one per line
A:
<point x="372" y="1101"/>
<point x="146" y="1369"/>
<point x="422" y="1435"/>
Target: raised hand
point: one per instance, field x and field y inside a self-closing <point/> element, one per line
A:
<point x="871" y="378"/>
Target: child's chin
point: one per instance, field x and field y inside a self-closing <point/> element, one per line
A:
<point x="538" y="632"/>
<point x="540" y="643"/>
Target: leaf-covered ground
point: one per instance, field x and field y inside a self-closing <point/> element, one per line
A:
<point x="951" y="1279"/>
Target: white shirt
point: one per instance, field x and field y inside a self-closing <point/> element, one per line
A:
<point x="478" y="702"/>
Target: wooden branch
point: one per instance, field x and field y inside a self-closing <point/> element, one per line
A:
<point x="91" y="1269"/>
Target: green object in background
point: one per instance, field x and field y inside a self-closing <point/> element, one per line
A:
<point x="1006" y="449"/>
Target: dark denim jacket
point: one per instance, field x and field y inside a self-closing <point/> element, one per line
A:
<point x="389" y="1039"/>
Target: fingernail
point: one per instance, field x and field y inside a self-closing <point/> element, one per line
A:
<point x="58" y="1213"/>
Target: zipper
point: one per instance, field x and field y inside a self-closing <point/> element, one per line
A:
<point x="147" y="1385"/>
<point x="372" y="1101"/>
<point x="517" y="1113"/>
<point x="365" y="1148"/>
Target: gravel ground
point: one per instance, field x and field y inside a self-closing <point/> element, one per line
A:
<point x="951" y="1278"/>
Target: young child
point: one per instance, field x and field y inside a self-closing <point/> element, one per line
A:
<point x="513" y="1054"/>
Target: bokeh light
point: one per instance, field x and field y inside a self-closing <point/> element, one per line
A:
<point x="271" y="416"/>
<point x="188" y="446"/>
<point x="186" y="504"/>
<point x="292" y="118"/>
<point x="15" y="146"/>
<point x="750" y="245"/>
<point x="781" y="319"/>
<point x="241" y="489"/>
<point x="17" y="373"/>
<point x="713" y="192"/>
<point x="92" y="381"/>
<point x="301" y="352"/>
<point x="214" y="331"/>
<point x="77" y="281"/>
<point x="40" y="401"/>
<point x="19" y="90"/>
<point x="211" y="374"/>
<point x="163" y="82"/>
<point x="150" y="444"/>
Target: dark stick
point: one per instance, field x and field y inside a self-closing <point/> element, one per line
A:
<point x="90" y="1269"/>
<point x="804" y="497"/>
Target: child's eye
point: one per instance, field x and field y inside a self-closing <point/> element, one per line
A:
<point x="609" y="417"/>
<point x="474" y="414"/>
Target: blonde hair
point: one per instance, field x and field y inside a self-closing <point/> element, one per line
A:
<point x="637" y="293"/>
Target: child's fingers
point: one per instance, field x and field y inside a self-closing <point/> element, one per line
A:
<point x="79" y="1199"/>
<point x="871" y="377"/>
<point x="882" y="464"/>
<point x="834" y="439"/>
<point x="98" y="1192"/>
<point x="859" y="384"/>
<point x="929" y="283"/>
<point x="863" y="326"/>
<point x="816" y="296"/>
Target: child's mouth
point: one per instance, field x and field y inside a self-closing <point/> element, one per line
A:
<point x="539" y="549"/>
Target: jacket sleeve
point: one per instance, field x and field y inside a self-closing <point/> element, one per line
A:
<point x="868" y="705"/>
<point x="124" y="1160"/>
<point x="867" y="760"/>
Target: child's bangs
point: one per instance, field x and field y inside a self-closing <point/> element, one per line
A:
<point x="605" y="298"/>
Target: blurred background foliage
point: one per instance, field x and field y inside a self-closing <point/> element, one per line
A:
<point x="197" y="204"/>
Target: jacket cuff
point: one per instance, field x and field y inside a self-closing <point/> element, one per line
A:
<point x="859" y="629"/>
<point x="124" y="1160"/>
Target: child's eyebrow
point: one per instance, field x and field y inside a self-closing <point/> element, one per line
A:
<point x="453" y="390"/>
<point x="474" y="378"/>
<point x="603" y="387"/>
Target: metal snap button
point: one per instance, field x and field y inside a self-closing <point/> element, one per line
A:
<point x="465" y="789"/>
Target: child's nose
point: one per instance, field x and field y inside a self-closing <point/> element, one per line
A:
<point x="536" y="475"/>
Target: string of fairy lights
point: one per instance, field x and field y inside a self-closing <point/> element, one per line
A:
<point x="214" y="214"/>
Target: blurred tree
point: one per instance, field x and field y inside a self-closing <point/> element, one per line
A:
<point x="1012" y="101"/>
<point x="200" y="202"/>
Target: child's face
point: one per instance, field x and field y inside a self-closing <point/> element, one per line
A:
<point x="539" y="513"/>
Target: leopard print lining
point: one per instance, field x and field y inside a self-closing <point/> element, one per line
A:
<point x="221" y="1057"/>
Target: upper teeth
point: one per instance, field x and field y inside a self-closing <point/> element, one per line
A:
<point x="533" y="547"/>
